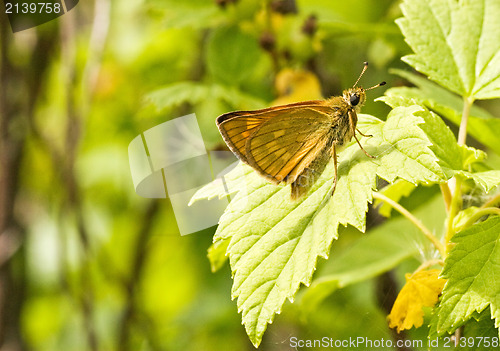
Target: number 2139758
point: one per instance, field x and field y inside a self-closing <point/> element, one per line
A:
<point x="33" y="7"/>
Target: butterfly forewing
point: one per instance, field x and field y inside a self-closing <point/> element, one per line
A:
<point x="237" y="130"/>
<point x="237" y="127"/>
<point x="284" y="142"/>
<point x="284" y="145"/>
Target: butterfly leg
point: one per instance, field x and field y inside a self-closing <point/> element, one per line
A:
<point x="368" y="136"/>
<point x="334" y="154"/>
<point x="366" y="153"/>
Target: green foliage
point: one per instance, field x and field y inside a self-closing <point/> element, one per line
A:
<point x="106" y="269"/>
<point x="275" y="242"/>
<point x="482" y="125"/>
<point x="472" y="271"/>
<point x="231" y="55"/>
<point x="455" y="44"/>
<point x="453" y="158"/>
<point x="480" y="326"/>
<point x="399" y="189"/>
<point x="383" y="249"/>
<point x="192" y="13"/>
<point x="176" y="94"/>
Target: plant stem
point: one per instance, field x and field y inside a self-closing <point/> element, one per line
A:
<point x="456" y="198"/>
<point x="462" y="132"/>
<point x="445" y="190"/>
<point x="481" y="213"/>
<point x="455" y="207"/>
<point x="458" y="335"/>
<point x="492" y="202"/>
<point x="437" y="244"/>
<point x="428" y="264"/>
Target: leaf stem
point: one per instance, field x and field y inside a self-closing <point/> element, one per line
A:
<point x="445" y="190"/>
<point x="462" y="132"/>
<point x="481" y="213"/>
<point x="428" y="264"/>
<point x="455" y="207"/>
<point x="492" y="202"/>
<point x="437" y="244"/>
<point x="456" y="198"/>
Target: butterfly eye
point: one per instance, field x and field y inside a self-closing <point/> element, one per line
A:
<point x="354" y="99"/>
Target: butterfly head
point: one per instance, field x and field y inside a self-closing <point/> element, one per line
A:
<point x="355" y="97"/>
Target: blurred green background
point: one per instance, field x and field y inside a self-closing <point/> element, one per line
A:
<point x="86" y="264"/>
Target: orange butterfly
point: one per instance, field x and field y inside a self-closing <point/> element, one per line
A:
<point x="293" y="143"/>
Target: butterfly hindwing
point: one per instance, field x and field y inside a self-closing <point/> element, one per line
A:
<point x="306" y="179"/>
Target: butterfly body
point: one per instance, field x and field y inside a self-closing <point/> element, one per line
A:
<point x="293" y="143"/>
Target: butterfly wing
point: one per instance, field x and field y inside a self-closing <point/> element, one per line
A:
<point x="286" y="144"/>
<point x="291" y="143"/>
<point x="237" y="127"/>
<point x="313" y="171"/>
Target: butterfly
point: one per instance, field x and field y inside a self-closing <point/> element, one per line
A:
<point x="293" y="143"/>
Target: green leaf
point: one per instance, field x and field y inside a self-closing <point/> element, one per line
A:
<point x="217" y="254"/>
<point x="275" y="242"/>
<point x="383" y="249"/>
<point x="194" y="93"/>
<point x="480" y="328"/>
<point x="188" y="13"/>
<point x="455" y="43"/>
<point x="176" y="94"/>
<point x="487" y="180"/>
<point x="397" y="190"/>
<point x="453" y="158"/>
<point x="481" y="125"/>
<point x="241" y="176"/>
<point x="444" y="145"/>
<point x="462" y="217"/>
<point x="232" y="55"/>
<point x="472" y="269"/>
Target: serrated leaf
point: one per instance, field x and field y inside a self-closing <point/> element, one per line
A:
<point x="275" y="242"/>
<point x="481" y="125"/>
<point x="384" y="248"/>
<point x="240" y="177"/>
<point x="480" y="331"/>
<point x="455" y="43"/>
<point x="487" y="180"/>
<point x="420" y="290"/>
<point x="175" y="94"/>
<point x="217" y="254"/>
<point x="453" y="158"/>
<point x="472" y="269"/>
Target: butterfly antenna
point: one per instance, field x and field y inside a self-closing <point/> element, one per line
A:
<point x="376" y="86"/>
<point x="363" y="71"/>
